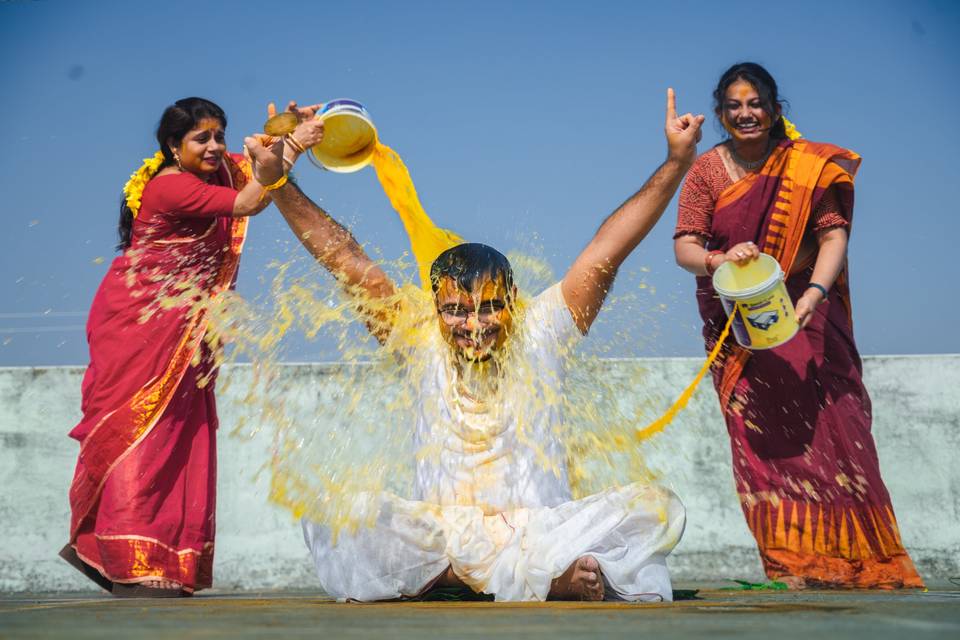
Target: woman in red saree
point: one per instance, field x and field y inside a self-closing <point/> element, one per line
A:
<point x="143" y="494"/>
<point x="798" y="415"/>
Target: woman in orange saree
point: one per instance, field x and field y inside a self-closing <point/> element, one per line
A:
<point x="143" y="494"/>
<point x="798" y="415"/>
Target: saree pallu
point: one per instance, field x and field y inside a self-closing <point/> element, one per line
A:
<point x="144" y="491"/>
<point x="798" y="415"/>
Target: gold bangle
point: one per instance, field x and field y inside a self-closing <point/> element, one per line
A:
<point x="276" y="185"/>
<point x="299" y="148"/>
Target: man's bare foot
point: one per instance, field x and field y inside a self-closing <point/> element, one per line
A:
<point x="794" y="583"/>
<point x="581" y="581"/>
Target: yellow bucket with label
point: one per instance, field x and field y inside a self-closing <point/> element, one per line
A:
<point x="349" y="137"/>
<point x="755" y="294"/>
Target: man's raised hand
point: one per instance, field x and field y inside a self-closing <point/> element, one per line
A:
<point x="683" y="133"/>
<point x="299" y="126"/>
<point x="267" y="161"/>
<point x="302" y="113"/>
<point x="309" y="131"/>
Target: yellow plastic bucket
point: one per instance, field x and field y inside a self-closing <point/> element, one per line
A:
<point x="764" y="314"/>
<point x="349" y="137"/>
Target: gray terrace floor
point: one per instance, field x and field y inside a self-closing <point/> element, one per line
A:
<point x="713" y="613"/>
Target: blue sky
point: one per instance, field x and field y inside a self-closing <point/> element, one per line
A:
<point x="516" y="119"/>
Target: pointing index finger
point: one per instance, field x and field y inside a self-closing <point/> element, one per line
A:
<point x="671" y="104"/>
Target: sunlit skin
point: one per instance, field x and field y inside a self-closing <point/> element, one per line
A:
<point x="743" y="116"/>
<point x="476" y="323"/>
<point x="202" y="148"/>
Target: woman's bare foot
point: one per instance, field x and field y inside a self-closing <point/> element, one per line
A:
<point x="162" y="584"/>
<point x="156" y="588"/>
<point x="581" y="581"/>
<point x="794" y="583"/>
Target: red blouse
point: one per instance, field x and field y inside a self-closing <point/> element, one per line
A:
<point x="181" y="205"/>
<point x="707" y="179"/>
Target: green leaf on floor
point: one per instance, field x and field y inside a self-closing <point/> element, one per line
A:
<point x="773" y="585"/>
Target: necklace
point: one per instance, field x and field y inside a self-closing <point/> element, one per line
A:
<point x="748" y="164"/>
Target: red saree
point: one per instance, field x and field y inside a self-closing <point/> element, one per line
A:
<point x="798" y="415"/>
<point x="144" y="490"/>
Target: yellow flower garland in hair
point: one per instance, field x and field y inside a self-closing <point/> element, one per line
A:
<point x="791" y="129"/>
<point x="133" y="190"/>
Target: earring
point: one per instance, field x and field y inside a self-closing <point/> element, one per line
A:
<point x="176" y="156"/>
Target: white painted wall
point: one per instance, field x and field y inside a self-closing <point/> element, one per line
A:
<point x="916" y="425"/>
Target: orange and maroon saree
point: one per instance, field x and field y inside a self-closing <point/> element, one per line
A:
<point x="144" y="490"/>
<point x="798" y="415"/>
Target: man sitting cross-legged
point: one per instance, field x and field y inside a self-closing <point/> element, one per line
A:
<point x="493" y="508"/>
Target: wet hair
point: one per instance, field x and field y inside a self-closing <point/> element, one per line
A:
<point x="177" y="120"/>
<point x="470" y="263"/>
<point x="766" y="87"/>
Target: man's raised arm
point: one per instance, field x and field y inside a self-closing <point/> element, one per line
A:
<point x="590" y="277"/>
<point x="328" y="241"/>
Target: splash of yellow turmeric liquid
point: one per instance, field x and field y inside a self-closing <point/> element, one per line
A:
<point x="427" y="241"/>
<point x="350" y="447"/>
<point x="661" y="423"/>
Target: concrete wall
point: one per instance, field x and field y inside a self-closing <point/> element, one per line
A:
<point x="916" y="425"/>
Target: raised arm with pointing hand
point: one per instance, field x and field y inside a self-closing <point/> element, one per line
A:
<point x="586" y="283"/>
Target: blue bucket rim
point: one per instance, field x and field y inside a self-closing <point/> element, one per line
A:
<point x="346" y="104"/>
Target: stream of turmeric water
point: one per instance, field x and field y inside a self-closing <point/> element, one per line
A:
<point x="353" y="433"/>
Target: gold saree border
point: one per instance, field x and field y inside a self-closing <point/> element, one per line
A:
<point x="830" y="544"/>
<point x="147" y="558"/>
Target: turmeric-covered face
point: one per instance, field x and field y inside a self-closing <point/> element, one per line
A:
<point x="742" y="113"/>
<point x="475" y="323"/>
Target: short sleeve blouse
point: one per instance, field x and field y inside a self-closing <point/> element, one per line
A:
<point x="708" y="178"/>
<point x="180" y="205"/>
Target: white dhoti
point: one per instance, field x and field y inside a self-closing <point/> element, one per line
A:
<point x="493" y="500"/>
<point x="514" y="555"/>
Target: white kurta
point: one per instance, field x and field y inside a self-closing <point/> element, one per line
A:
<point x="492" y="497"/>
